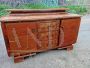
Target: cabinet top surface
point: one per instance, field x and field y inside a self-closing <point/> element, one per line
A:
<point x="38" y="17"/>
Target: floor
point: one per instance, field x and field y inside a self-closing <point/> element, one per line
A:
<point x="79" y="57"/>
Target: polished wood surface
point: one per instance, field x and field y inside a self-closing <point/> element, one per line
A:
<point x="70" y="28"/>
<point x="39" y="17"/>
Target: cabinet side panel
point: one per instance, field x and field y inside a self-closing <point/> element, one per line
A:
<point x="5" y="37"/>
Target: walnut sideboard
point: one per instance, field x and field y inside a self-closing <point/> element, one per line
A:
<point x="27" y="32"/>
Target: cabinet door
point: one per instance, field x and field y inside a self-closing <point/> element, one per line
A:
<point x="48" y="33"/>
<point x="20" y="38"/>
<point x="69" y="31"/>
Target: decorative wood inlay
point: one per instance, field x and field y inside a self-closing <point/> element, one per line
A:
<point x="34" y="37"/>
<point x="16" y="37"/>
<point x="61" y="37"/>
<point x="49" y="37"/>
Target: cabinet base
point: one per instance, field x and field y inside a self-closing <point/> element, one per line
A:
<point x="68" y="48"/>
<point x="20" y="58"/>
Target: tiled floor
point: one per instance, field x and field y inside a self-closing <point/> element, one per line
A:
<point x="77" y="58"/>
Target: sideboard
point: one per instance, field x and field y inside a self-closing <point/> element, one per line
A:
<point x="27" y="32"/>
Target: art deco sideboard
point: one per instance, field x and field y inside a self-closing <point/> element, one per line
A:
<point x="27" y="32"/>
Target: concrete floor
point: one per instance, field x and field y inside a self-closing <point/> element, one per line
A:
<point x="79" y="57"/>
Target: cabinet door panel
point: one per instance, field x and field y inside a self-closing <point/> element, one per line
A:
<point x="20" y="35"/>
<point x="70" y="28"/>
<point x="48" y="31"/>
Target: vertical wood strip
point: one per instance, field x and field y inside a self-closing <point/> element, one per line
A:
<point x="49" y="37"/>
<point x="61" y="36"/>
<point x="16" y="37"/>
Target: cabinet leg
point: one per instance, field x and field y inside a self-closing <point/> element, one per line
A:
<point x="70" y="48"/>
<point x="21" y="57"/>
<point x="17" y="59"/>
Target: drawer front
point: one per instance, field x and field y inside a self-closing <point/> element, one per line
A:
<point x="70" y="29"/>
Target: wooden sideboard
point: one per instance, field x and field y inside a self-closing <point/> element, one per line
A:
<point x="27" y="32"/>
